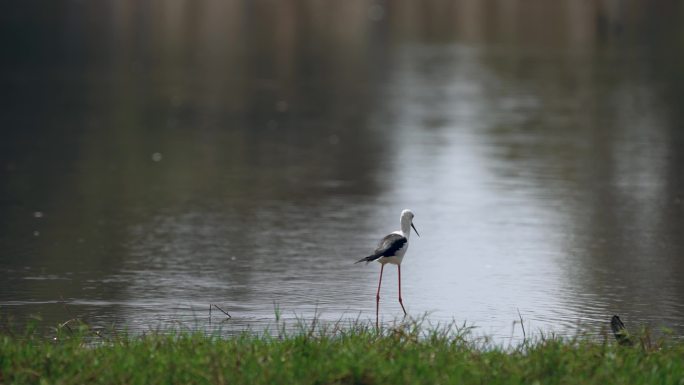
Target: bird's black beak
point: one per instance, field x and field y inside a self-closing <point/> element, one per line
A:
<point x="414" y="229"/>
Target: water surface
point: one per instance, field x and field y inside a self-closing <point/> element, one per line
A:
<point x="161" y="157"/>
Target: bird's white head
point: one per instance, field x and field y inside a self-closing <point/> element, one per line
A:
<point x="407" y="223"/>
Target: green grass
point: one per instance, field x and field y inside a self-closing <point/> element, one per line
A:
<point x="354" y="354"/>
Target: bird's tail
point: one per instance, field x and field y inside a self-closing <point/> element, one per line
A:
<point x="369" y="258"/>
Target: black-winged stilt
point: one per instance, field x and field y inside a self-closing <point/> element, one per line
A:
<point x="391" y="249"/>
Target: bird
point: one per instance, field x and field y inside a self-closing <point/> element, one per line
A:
<point x="391" y="249"/>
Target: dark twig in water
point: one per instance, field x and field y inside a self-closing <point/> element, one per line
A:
<point x="620" y="332"/>
<point x="64" y="306"/>
<point x="313" y="324"/>
<point x="75" y="318"/>
<point x="522" y="324"/>
<point x="66" y="324"/>
<point x="222" y="311"/>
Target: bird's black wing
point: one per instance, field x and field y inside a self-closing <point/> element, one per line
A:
<point x="388" y="247"/>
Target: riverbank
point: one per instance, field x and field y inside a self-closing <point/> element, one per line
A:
<point x="355" y="354"/>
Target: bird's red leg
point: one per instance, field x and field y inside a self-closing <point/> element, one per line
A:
<point x="400" y="301"/>
<point x="377" y="299"/>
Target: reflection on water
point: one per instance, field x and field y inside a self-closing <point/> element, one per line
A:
<point x="173" y="155"/>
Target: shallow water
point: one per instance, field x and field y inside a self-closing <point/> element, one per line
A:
<point x="162" y="157"/>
